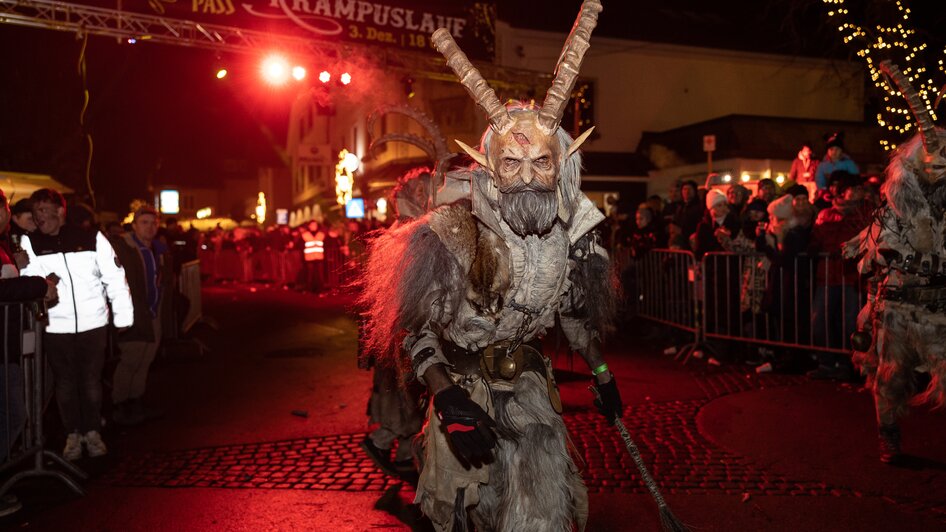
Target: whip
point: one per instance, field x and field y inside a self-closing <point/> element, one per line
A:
<point x="668" y="521"/>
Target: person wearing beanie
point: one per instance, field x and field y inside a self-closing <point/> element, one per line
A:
<point x="834" y="159"/>
<point x="718" y="227"/>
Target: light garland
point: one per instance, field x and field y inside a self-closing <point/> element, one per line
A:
<point x="898" y="42"/>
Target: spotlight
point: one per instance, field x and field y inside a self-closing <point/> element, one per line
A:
<point x="132" y="40"/>
<point x="727" y="178"/>
<point x="298" y="73"/>
<point x="745" y="178"/>
<point x="345" y="78"/>
<point x="222" y="73"/>
<point x="275" y="70"/>
<point x="780" y="179"/>
<point x="324" y="76"/>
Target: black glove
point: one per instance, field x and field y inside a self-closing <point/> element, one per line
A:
<point x="466" y="425"/>
<point x="609" y="400"/>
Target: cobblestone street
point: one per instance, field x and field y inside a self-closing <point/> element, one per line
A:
<point x="274" y="444"/>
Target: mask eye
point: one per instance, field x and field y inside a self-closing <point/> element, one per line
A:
<point x="542" y="161"/>
<point x="509" y="162"/>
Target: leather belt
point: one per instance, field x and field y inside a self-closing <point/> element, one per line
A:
<point x="931" y="297"/>
<point x="496" y="362"/>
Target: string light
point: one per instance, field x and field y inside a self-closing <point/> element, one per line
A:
<point x="899" y="42"/>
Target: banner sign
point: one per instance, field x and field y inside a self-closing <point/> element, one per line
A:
<point x="404" y="24"/>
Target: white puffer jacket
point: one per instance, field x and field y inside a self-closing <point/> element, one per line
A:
<point x="88" y="272"/>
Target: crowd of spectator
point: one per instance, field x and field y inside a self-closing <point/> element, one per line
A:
<point x="787" y="241"/>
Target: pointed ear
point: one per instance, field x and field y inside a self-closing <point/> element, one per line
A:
<point x="563" y="214"/>
<point x="578" y="142"/>
<point x="477" y="156"/>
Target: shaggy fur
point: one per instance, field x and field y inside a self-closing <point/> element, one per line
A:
<point x="534" y="484"/>
<point x="903" y="191"/>
<point x="904" y="344"/>
<point x="407" y="281"/>
<point x="595" y="286"/>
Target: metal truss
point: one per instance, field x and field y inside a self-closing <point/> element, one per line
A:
<point x="123" y="25"/>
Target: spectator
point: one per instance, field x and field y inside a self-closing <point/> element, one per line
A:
<point x="656" y="204"/>
<point x="803" y="167"/>
<point x="834" y="159"/>
<point x="767" y="190"/>
<point x="90" y="277"/>
<point x="674" y="203"/>
<point x="755" y="214"/>
<point x="691" y="211"/>
<point x="646" y="234"/>
<point x="150" y="277"/>
<point x="719" y="226"/>
<point x="782" y="240"/>
<point x="836" y="290"/>
<point x="22" y="221"/>
<point x="676" y="240"/>
<point x="113" y="230"/>
<point x="738" y="197"/>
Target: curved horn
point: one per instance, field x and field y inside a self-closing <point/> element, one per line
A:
<point x="473" y="81"/>
<point x="436" y="137"/>
<point x="920" y="112"/>
<point x="425" y="145"/>
<point x="569" y="62"/>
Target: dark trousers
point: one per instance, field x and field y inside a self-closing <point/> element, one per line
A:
<point x="76" y="361"/>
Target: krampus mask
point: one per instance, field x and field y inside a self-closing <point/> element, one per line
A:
<point x="532" y="163"/>
<point x="924" y="156"/>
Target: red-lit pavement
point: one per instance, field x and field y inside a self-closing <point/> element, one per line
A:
<point x="261" y="433"/>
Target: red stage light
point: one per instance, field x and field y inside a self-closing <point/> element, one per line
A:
<point x="345" y="78"/>
<point x="324" y="76"/>
<point x="222" y="73"/>
<point x="298" y="72"/>
<point x="275" y="70"/>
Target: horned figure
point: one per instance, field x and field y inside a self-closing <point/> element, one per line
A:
<point x="422" y="188"/>
<point x="903" y="324"/>
<point x="468" y="291"/>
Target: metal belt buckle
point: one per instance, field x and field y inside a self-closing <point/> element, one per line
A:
<point x="498" y="363"/>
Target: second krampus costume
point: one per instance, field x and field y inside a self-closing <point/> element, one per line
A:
<point x="471" y="287"/>
<point x="903" y="325"/>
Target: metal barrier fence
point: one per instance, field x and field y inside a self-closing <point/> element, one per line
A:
<point x="23" y="400"/>
<point x="806" y="301"/>
<point x="284" y="268"/>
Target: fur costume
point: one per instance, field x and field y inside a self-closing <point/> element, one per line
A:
<point x="495" y="272"/>
<point x="903" y="324"/>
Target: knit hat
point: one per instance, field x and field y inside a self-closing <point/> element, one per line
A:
<point x="757" y="204"/>
<point x="797" y="190"/>
<point x="714" y="197"/>
<point x="781" y="208"/>
<point x="834" y="139"/>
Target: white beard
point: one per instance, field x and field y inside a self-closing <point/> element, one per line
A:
<point x="529" y="212"/>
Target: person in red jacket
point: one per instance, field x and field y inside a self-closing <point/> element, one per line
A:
<point x="836" y="280"/>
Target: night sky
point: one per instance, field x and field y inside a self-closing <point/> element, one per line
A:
<point x="157" y="113"/>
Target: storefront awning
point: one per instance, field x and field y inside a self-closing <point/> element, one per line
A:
<point x="18" y="185"/>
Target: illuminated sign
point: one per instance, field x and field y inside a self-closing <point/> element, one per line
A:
<point x="204" y="213"/>
<point x="170" y="201"/>
<point x="261" y="207"/>
<point x="355" y="208"/>
<point x="344" y="180"/>
<point x="282" y="216"/>
<point x="404" y="24"/>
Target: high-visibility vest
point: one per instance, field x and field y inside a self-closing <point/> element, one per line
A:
<point x="314" y="245"/>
